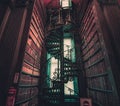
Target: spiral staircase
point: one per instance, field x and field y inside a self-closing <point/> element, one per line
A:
<point x="67" y="70"/>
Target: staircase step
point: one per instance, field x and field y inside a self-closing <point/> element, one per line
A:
<point x="57" y="84"/>
<point x="52" y="46"/>
<point x="53" y="38"/>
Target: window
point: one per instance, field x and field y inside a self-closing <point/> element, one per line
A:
<point x="54" y="66"/>
<point x="65" y="3"/>
<point x="69" y="87"/>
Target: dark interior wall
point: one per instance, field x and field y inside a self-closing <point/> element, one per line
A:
<point x="112" y="16"/>
<point x="3" y="7"/>
<point x="110" y="23"/>
<point x="104" y="28"/>
<point x="13" y="39"/>
<point x="81" y="78"/>
<point x="9" y="48"/>
<point x="2" y="11"/>
<point x="4" y="14"/>
<point x="119" y="2"/>
<point x="80" y="9"/>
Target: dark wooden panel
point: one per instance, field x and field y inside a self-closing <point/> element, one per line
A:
<point x="97" y="70"/>
<point x="9" y="49"/>
<point x="2" y="12"/>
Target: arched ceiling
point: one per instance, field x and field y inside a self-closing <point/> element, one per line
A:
<point x="54" y="3"/>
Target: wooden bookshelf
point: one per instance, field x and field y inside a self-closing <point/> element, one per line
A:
<point x="94" y="60"/>
<point x="30" y="72"/>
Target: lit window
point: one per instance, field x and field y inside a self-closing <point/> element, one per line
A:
<point x="69" y="86"/>
<point x="65" y="3"/>
<point x="54" y="66"/>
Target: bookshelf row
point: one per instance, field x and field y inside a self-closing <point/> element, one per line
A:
<point x="24" y="93"/>
<point x="27" y="94"/>
<point x="95" y="66"/>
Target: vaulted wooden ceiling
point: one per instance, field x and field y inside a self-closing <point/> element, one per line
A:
<point x="55" y="3"/>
